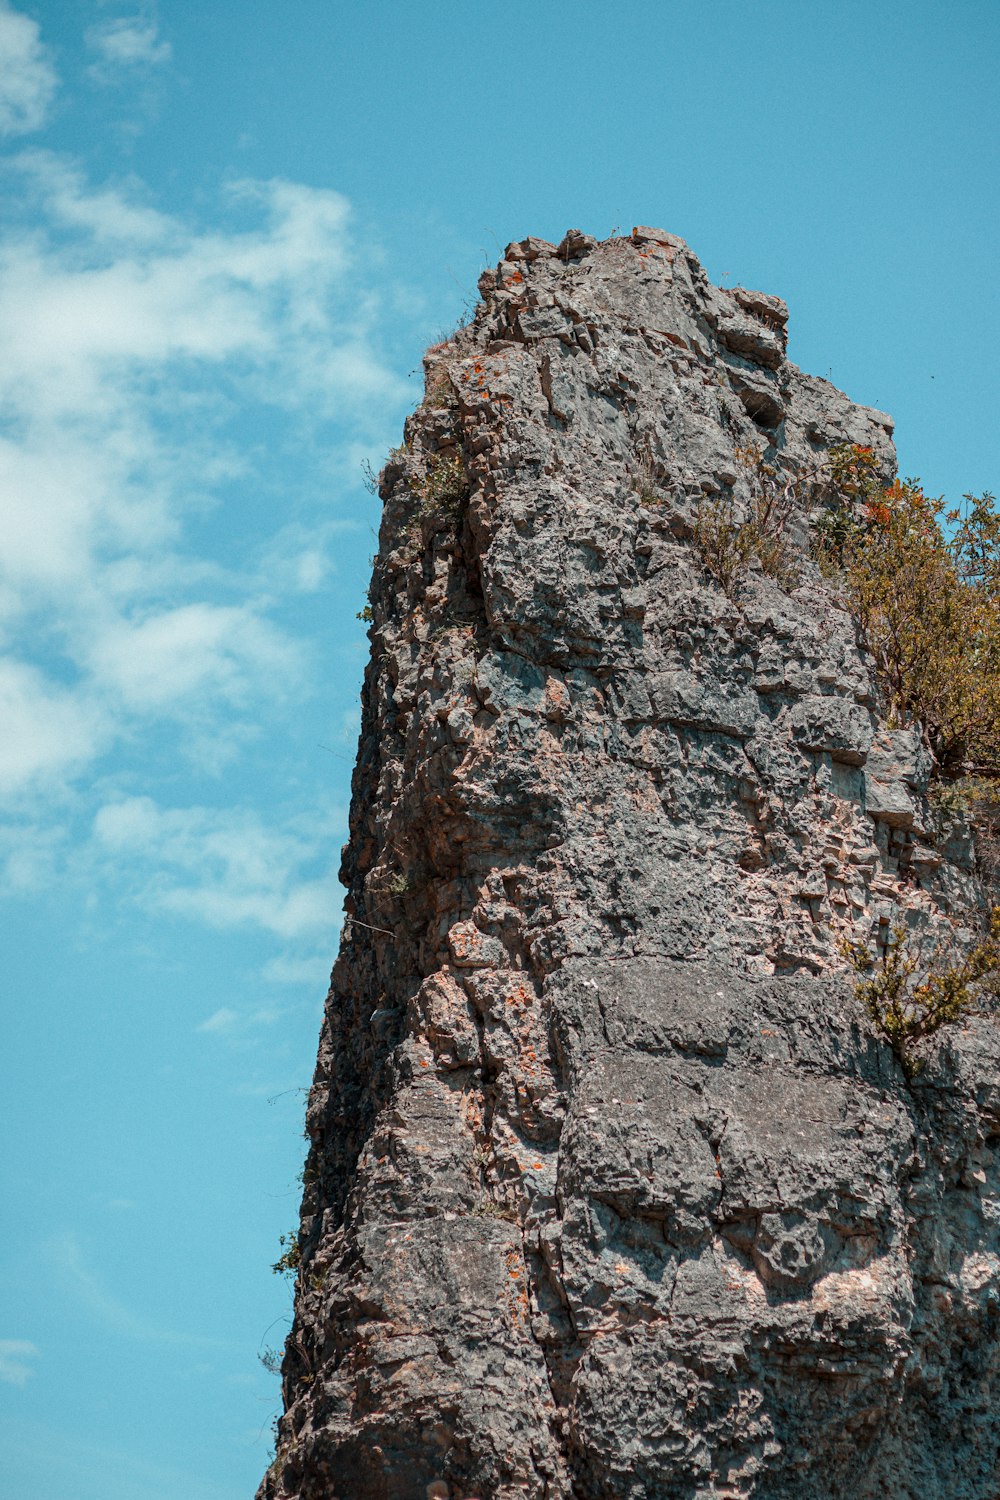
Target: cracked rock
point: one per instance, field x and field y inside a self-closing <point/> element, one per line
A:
<point x="613" y="1191"/>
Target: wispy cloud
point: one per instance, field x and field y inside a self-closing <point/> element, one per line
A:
<point x="49" y="731"/>
<point x="126" y="42"/>
<point x="28" y="80"/>
<point x="15" y="1357"/>
<point x="169" y="656"/>
<point x="220" y="1020"/>
<point x="133" y="341"/>
<point x="223" y="867"/>
<point x="163" y="376"/>
<point x="66" y="1261"/>
<point x="230" y="1023"/>
<point x="287" y="969"/>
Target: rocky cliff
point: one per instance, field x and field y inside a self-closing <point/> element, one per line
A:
<point x="613" y="1190"/>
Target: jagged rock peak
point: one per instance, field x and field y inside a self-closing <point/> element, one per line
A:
<point x="613" y="1192"/>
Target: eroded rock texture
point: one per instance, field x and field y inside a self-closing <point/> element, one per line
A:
<point x="613" y="1191"/>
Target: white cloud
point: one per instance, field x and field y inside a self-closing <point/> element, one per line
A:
<point x="14" y="1357"/>
<point x="227" y="1022"/>
<point x="222" y="867"/>
<point x="27" y="79"/>
<point x="127" y="42"/>
<point x="134" y="344"/>
<point x="300" y="559"/>
<point x="29" y="856"/>
<point x="285" y="969"/>
<point x="47" y="732"/>
<point x="109" y="214"/>
<point x="85" y="322"/>
<point x="162" y="378"/>
<point x="220" y="1020"/>
<point x="173" y="654"/>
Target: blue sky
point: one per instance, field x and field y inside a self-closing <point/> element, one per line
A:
<point x="228" y="233"/>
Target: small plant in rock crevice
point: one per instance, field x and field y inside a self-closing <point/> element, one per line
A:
<point x="369" y="478"/>
<point x="488" y="1208"/>
<point x="647" y="480"/>
<point x="290" y="1259"/>
<point x="723" y="541"/>
<point x="445" y="486"/>
<point x="440" y="394"/>
<point x="730" y="541"/>
<point x="909" y="999"/>
<point x="984" y="815"/>
<point x="974" y="800"/>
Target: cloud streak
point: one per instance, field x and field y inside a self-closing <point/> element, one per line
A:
<point x="15" y="1357"/>
<point x="126" y="42"/>
<point x="224" y="868"/>
<point x="27" y="78"/>
<point x="66" y="1260"/>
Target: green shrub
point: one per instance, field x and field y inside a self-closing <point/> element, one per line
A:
<point x="445" y="486"/>
<point x="924" y="585"/>
<point x="908" y="1000"/>
<point x="289" y="1261"/>
<point x="852" y="479"/>
<point x="929" y="608"/>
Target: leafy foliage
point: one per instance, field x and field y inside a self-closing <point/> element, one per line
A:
<point x="924" y="584"/>
<point x="289" y="1261"/>
<point x="852" y="479"/>
<point x="908" y="1000"/>
<point x="445" y="486"/>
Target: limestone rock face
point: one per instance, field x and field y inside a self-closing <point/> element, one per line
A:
<point x="613" y="1190"/>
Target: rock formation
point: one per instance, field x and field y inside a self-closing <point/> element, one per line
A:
<point x="613" y="1189"/>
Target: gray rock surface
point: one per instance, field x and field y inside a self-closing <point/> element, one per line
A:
<point x="613" y="1191"/>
